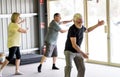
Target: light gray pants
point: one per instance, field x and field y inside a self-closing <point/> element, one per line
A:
<point x="79" y="62"/>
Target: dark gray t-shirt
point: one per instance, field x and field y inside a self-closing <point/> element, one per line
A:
<point x="52" y="33"/>
<point x="74" y="32"/>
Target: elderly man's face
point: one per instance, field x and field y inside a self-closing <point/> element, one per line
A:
<point x="79" y="21"/>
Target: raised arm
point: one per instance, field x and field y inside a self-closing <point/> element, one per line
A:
<point x="21" y="21"/>
<point x="65" y="22"/>
<point x="63" y="31"/>
<point x="100" y="23"/>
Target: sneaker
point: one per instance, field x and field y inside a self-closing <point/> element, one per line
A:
<point x="18" y="73"/>
<point x="39" y="68"/>
<point x="55" y="68"/>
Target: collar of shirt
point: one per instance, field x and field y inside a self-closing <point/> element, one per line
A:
<point x="58" y="23"/>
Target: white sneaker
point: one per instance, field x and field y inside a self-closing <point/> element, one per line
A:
<point x="18" y="73"/>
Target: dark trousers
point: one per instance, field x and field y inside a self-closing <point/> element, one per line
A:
<point x="14" y="50"/>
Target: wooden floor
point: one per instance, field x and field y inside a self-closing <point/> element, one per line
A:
<point x="30" y="70"/>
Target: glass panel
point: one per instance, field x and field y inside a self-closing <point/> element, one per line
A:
<point x="66" y="8"/>
<point x="114" y="30"/>
<point x="97" y="39"/>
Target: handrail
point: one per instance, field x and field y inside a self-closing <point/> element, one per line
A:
<point x="21" y="15"/>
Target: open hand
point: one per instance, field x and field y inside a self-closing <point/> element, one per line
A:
<point x="85" y="55"/>
<point x="100" y="22"/>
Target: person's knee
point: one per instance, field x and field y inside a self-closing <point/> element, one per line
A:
<point x="9" y="58"/>
<point x="69" y="67"/>
<point x="54" y="56"/>
<point x="18" y="57"/>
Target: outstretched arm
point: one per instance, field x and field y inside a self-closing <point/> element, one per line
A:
<point x="100" y="23"/>
<point x="63" y="31"/>
<point x="65" y="22"/>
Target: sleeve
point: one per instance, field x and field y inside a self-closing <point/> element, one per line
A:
<point x="17" y="26"/>
<point x="56" y="27"/>
<point x="72" y="32"/>
<point x="84" y="28"/>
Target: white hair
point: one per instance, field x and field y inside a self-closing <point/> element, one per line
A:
<point x="77" y="16"/>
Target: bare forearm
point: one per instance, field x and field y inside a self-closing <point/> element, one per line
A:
<point x="63" y="31"/>
<point x="21" y="21"/>
<point x="92" y="28"/>
<point x="65" y="22"/>
<point x="81" y="52"/>
<point x="77" y="48"/>
<point x="23" y="30"/>
<point x="95" y="26"/>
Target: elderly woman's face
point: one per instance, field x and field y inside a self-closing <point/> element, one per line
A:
<point x="18" y="19"/>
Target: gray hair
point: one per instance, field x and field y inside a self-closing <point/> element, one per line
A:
<point x="77" y="16"/>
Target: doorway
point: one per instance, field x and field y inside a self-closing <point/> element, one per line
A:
<point x="102" y="43"/>
<point x="97" y="39"/>
<point x="67" y="9"/>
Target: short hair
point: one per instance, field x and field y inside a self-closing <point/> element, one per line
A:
<point x="56" y="14"/>
<point x="14" y="17"/>
<point x="77" y="16"/>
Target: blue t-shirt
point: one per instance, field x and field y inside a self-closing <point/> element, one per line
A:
<point x="74" y="32"/>
<point x="52" y="33"/>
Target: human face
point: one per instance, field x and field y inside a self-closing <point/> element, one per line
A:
<point x="58" y="18"/>
<point x="79" y="21"/>
<point x="18" y="19"/>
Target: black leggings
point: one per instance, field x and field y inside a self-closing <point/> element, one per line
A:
<point x="12" y="51"/>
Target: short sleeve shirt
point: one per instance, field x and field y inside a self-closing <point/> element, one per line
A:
<point x="52" y="33"/>
<point x="13" y="35"/>
<point x="74" y="32"/>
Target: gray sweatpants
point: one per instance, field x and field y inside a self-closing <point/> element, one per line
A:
<point x="79" y="62"/>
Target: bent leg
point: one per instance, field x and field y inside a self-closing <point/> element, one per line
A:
<point x="68" y="58"/>
<point x="79" y="62"/>
<point x="12" y="51"/>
